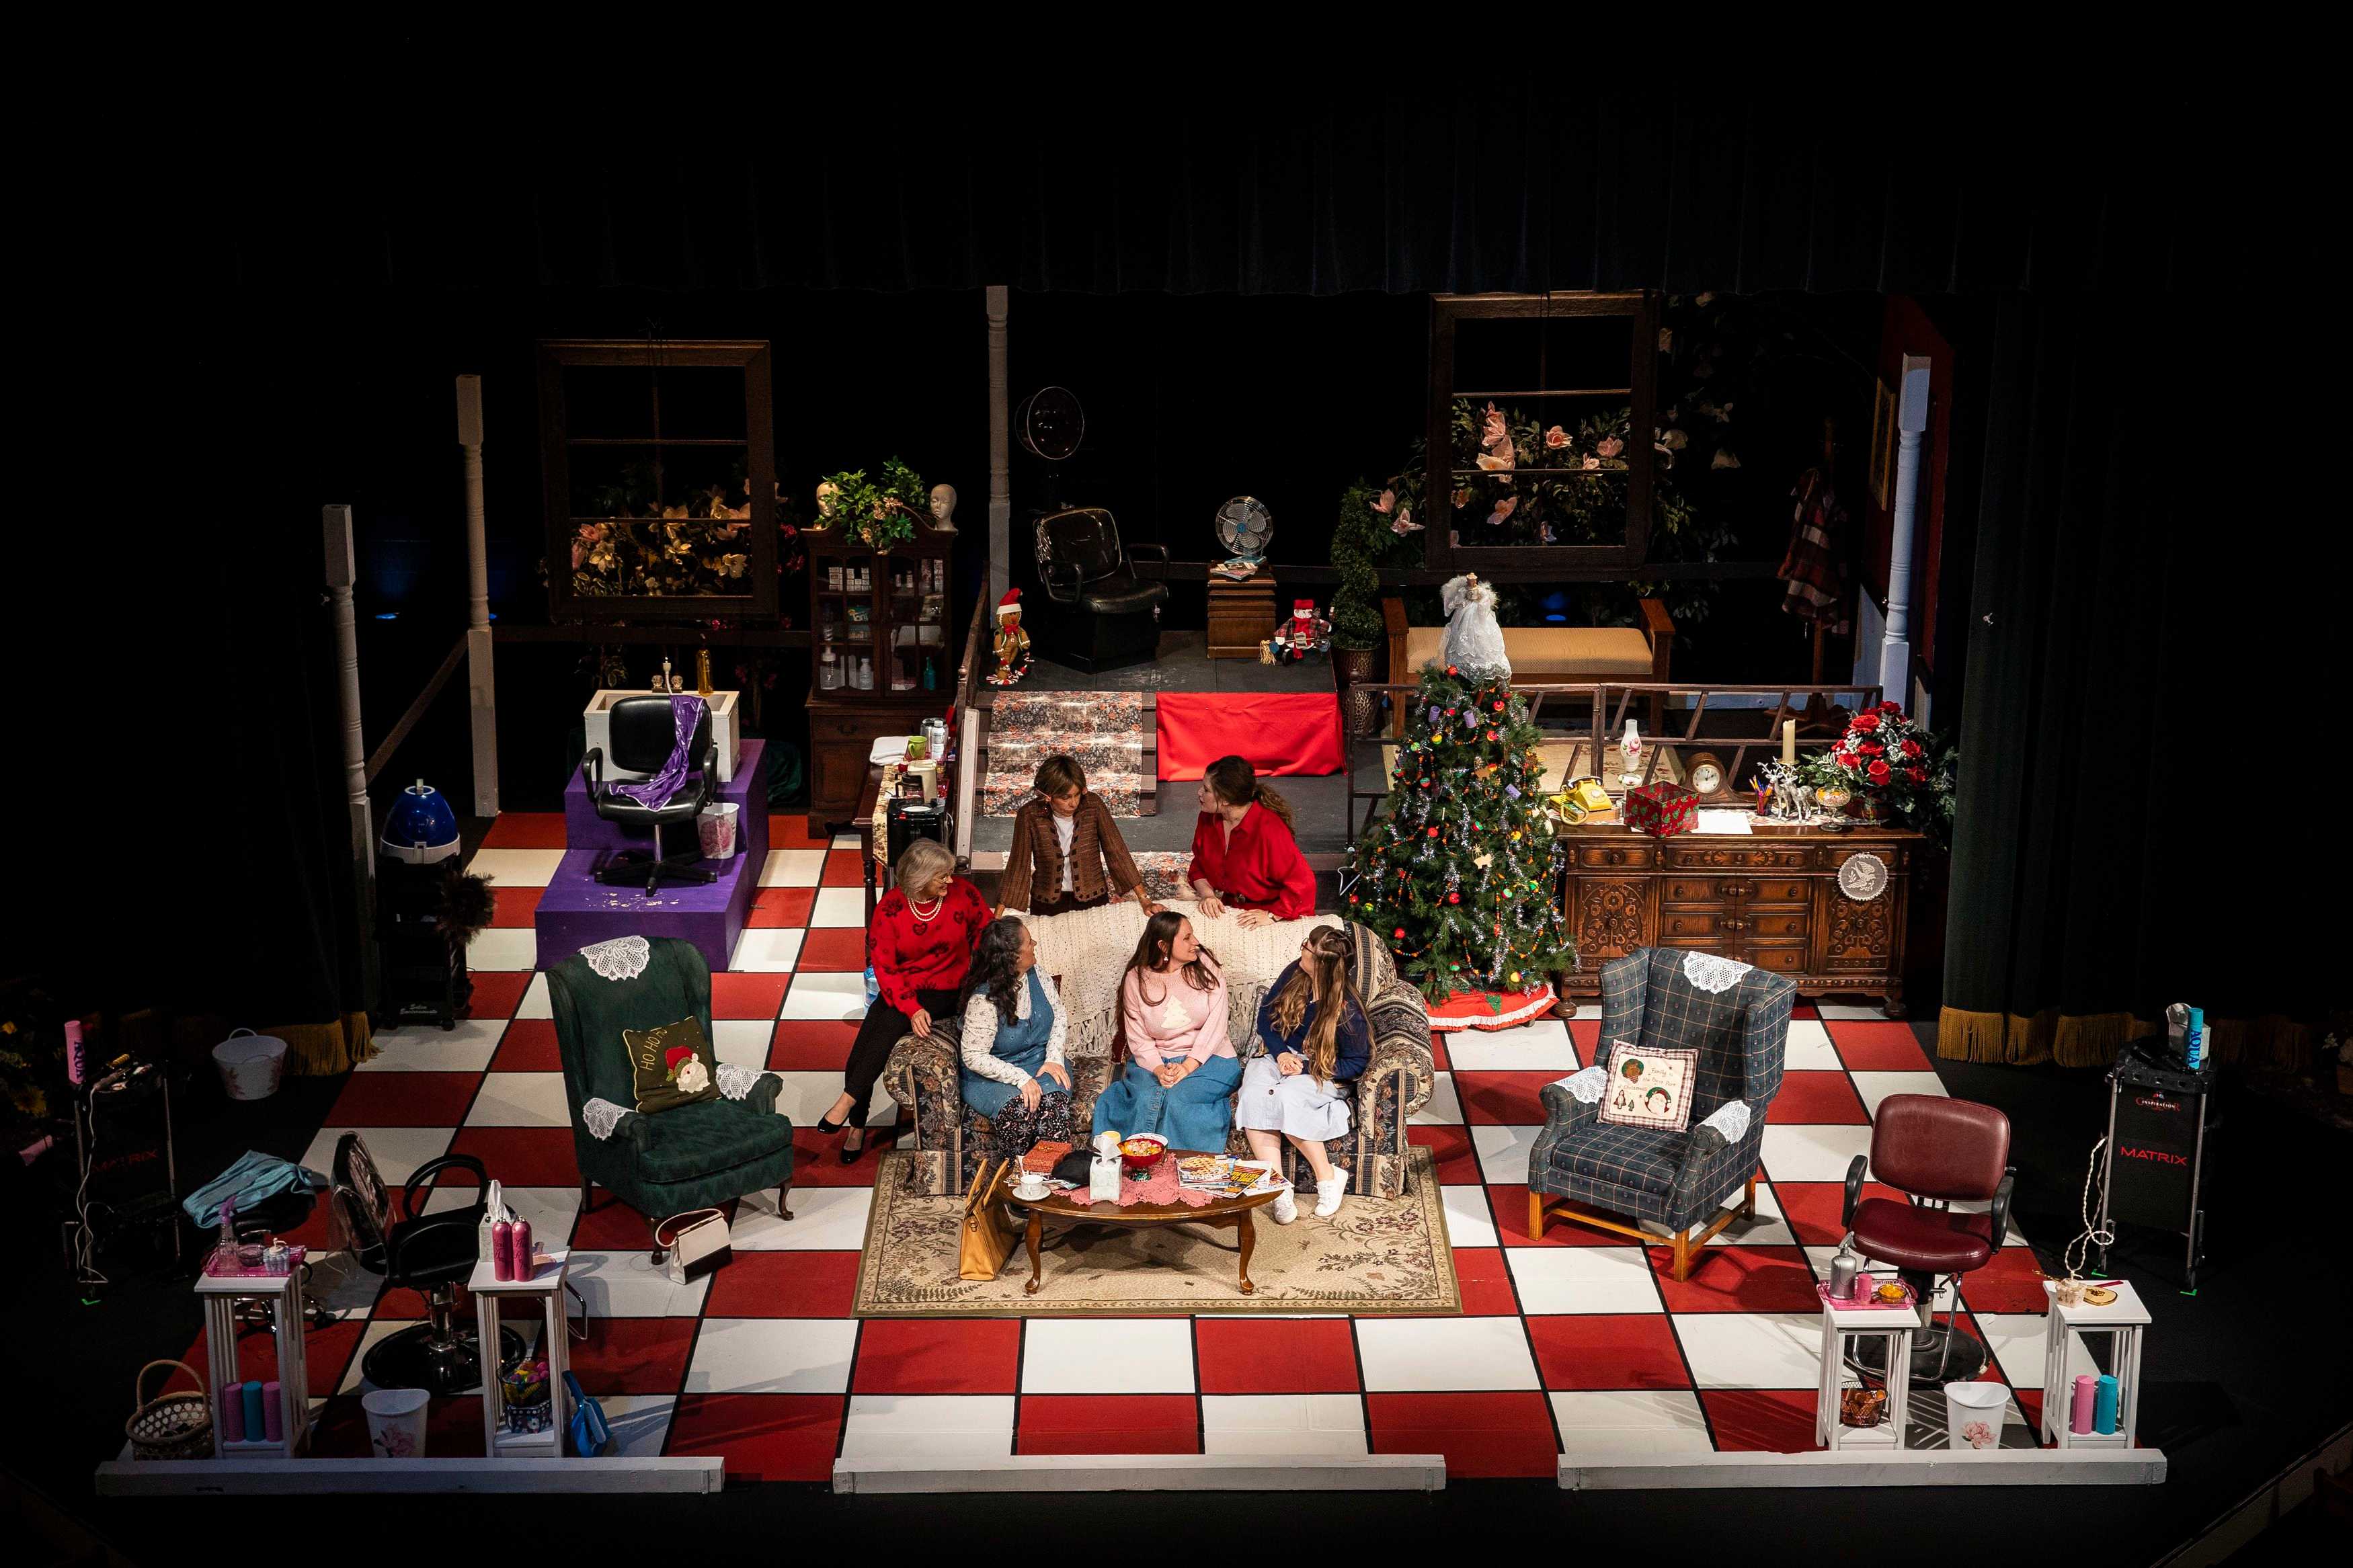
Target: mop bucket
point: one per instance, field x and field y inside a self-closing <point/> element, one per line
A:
<point x="250" y="1065"/>
<point x="1973" y="1413"/>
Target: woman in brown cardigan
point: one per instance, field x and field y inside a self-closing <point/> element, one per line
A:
<point x="1067" y="852"/>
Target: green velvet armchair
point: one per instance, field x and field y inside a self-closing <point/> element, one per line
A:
<point x="693" y="1156"/>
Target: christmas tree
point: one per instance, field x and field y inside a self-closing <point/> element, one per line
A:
<point x="1461" y="874"/>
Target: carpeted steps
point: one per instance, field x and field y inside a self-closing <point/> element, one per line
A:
<point x="1104" y="732"/>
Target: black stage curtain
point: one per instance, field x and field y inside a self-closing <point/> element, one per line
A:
<point x="1518" y="185"/>
<point x="2143" y="811"/>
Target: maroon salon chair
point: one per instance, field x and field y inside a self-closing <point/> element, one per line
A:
<point x="1941" y="1151"/>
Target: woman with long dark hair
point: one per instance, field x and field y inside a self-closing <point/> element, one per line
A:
<point x="1243" y="852"/>
<point x="1181" y="1070"/>
<point x="1318" y="1042"/>
<point x="1012" y="1070"/>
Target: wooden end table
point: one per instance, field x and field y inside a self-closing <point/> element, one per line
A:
<point x="1242" y="615"/>
<point x="1070" y="1208"/>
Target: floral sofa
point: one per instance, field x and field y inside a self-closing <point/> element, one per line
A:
<point x="1086" y="953"/>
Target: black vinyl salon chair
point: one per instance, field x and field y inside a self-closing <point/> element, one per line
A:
<point x="641" y="736"/>
<point x="431" y="1253"/>
<point x="1100" y="615"/>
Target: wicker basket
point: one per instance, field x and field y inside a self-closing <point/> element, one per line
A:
<point x="170" y="1425"/>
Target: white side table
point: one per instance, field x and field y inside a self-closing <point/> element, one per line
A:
<point x="220" y="1294"/>
<point x="547" y="1283"/>
<point x="2062" y="1357"/>
<point x="1839" y="1325"/>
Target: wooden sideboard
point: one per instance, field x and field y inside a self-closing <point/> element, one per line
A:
<point x="1773" y="899"/>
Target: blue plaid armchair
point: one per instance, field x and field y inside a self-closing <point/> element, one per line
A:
<point x="1655" y="997"/>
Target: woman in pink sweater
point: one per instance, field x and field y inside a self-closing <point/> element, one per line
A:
<point x="1181" y="1070"/>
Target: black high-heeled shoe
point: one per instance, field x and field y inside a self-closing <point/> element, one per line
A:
<point x="847" y="1155"/>
<point x="829" y="1127"/>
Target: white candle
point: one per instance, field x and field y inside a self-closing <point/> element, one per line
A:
<point x="1789" y="742"/>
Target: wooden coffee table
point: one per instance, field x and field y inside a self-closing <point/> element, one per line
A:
<point x="1071" y="1208"/>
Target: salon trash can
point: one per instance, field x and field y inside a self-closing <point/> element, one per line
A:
<point x="1973" y="1413"/>
<point x="250" y="1065"/>
<point x="396" y="1422"/>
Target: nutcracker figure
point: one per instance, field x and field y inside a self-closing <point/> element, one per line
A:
<point x="1012" y="642"/>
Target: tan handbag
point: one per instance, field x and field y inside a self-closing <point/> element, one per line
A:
<point x="986" y="1238"/>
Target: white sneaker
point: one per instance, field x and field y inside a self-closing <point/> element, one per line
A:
<point x="1283" y="1209"/>
<point x="1328" y="1194"/>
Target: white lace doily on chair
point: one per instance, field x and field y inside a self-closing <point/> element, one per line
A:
<point x="623" y="958"/>
<point x="1711" y="974"/>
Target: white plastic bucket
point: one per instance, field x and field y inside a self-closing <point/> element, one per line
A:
<point x="1973" y="1413"/>
<point x="395" y="1420"/>
<point x="250" y="1065"/>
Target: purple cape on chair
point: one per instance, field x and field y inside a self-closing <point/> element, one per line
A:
<point x="685" y="712"/>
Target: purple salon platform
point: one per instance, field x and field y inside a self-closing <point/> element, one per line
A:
<point x="576" y="909"/>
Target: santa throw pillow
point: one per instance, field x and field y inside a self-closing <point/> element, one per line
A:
<point x="674" y="1065"/>
<point x="1650" y="1088"/>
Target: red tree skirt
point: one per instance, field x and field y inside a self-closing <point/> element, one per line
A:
<point x="1491" y="1009"/>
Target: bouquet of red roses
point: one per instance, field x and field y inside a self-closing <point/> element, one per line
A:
<point x="1889" y="761"/>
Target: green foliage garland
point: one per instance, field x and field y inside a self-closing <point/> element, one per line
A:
<point x="1462" y="873"/>
<point x="877" y="512"/>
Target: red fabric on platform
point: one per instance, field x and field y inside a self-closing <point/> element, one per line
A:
<point x="1281" y="732"/>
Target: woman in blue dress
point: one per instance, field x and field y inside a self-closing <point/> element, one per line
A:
<point x="1181" y="1071"/>
<point x="1012" y="1070"/>
<point x="1318" y="1043"/>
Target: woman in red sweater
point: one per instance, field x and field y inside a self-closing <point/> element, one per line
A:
<point x="924" y="934"/>
<point x="1244" y="853"/>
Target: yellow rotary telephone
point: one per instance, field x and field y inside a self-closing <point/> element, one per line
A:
<point x="1583" y="799"/>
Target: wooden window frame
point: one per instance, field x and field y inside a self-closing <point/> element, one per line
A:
<point x="1564" y="562"/>
<point x="764" y="604"/>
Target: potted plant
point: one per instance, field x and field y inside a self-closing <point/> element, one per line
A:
<point x="1356" y="609"/>
<point x="1895" y="771"/>
<point x="880" y="513"/>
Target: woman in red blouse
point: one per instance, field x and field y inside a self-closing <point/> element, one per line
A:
<point x="1244" y="853"/>
<point x="924" y="934"/>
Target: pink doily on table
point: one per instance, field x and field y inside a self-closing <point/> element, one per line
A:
<point x="1163" y="1186"/>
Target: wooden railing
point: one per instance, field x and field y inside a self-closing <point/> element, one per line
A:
<point x="967" y="737"/>
<point x="1605" y="705"/>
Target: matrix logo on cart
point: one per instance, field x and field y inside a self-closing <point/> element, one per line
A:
<point x="2159" y="1155"/>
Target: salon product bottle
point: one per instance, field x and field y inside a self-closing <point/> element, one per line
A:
<point x="930" y="676"/>
<point x="256" y="1423"/>
<point x="1846" y="1269"/>
<point x="521" y="1241"/>
<point x="273" y="1413"/>
<point x="2079" y="1412"/>
<point x="502" y="1250"/>
<point x="2194" y="1041"/>
<point x="231" y="1406"/>
<point x="77" y="1055"/>
<point x="2103" y="1415"/>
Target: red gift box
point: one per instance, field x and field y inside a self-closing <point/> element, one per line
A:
<point x="1661" y="809"/>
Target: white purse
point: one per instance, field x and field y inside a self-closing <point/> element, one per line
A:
<point x="699" y="1243"/>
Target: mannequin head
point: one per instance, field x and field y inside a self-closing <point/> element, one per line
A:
<point x="943" y="498"/>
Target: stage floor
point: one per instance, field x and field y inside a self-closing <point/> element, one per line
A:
<point x="1182" y="664"/>
<point x="1574" y="1342"/>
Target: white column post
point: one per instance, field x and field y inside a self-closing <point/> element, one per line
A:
<point x="998" y="299"/>
<point x="1911" y="421"/>
<point x="342" y="573"/>
<point x="481" y="684"/>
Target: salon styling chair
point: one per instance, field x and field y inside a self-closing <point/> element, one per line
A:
<point x="1098" y="614"/>
<point x="642" y="736"/>
<point x="1941" y="1151"/>
<point x="430" y="1253"/>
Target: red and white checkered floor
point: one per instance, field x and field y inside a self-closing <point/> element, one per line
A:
<point x="1577" y="1342"/>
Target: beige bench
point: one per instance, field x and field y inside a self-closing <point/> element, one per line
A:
<point x="1546" y="655"/>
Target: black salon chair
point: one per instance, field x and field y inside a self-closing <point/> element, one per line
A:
<point x="1100" y="615"/>
<point x="431" y="1253"/>
<point x="641" y="738"/>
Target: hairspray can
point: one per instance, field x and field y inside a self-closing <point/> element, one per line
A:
<point x="77" y="1056"/>
<point x="502" y="1250"/>
<point x="2079" y="1414"/>
<point x="231" y="1406"/>
<point x="273" y="1414"/>
<point x="2103" y="1417"/>
<point x="523" y="1266"/>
